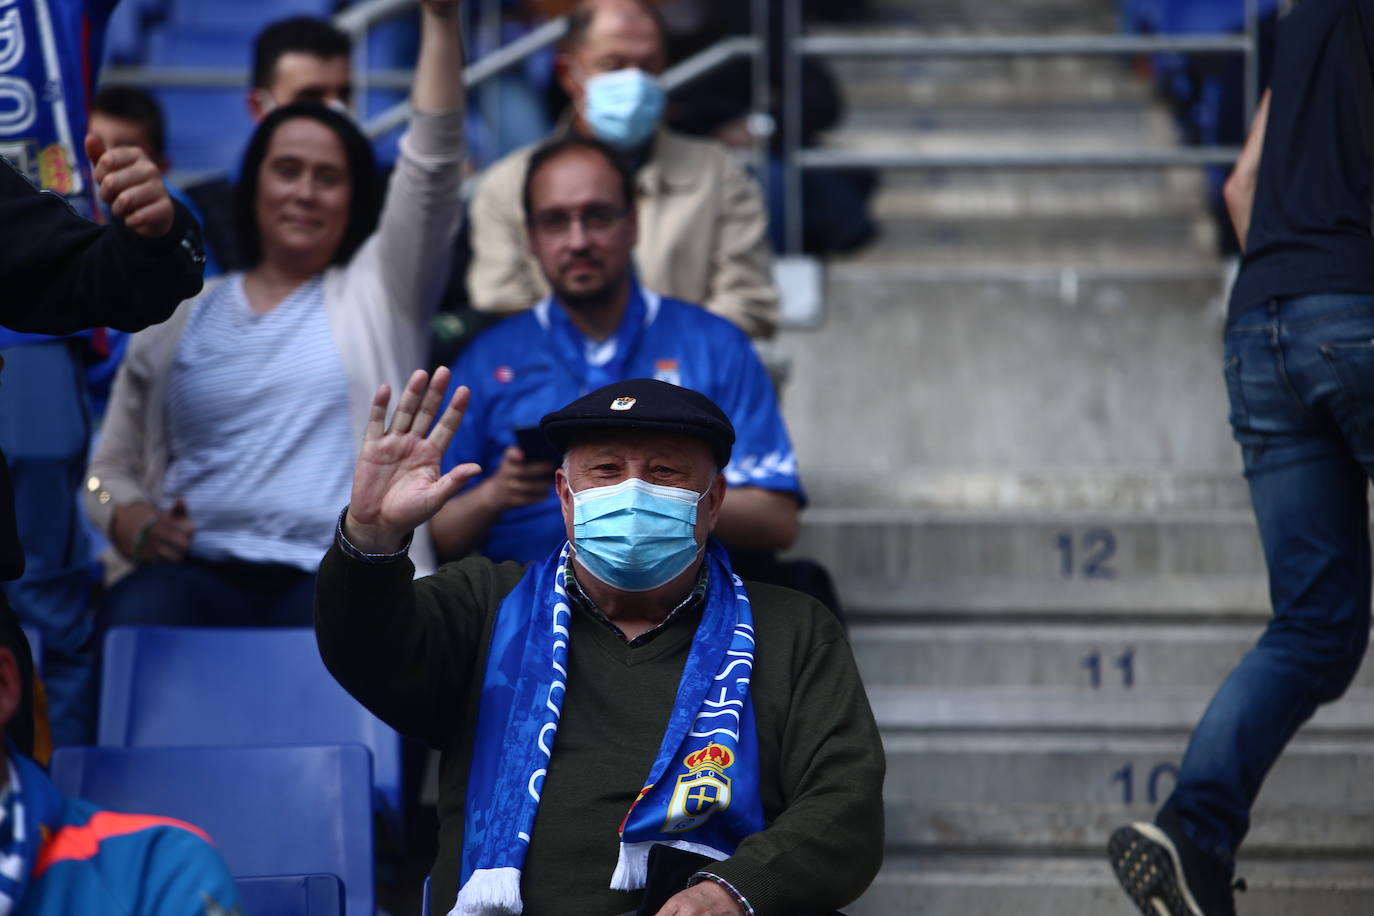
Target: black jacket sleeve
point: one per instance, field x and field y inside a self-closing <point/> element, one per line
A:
<point x="61" y="273"/>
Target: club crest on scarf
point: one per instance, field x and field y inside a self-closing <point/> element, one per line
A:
<point x="702" y="791"/>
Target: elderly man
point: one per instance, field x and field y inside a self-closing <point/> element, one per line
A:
<point x="704" y="234"/>
<point x="600" y="326"/>
<point x="627" y="689"/>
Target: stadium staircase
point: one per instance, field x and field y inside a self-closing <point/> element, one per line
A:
<point x="1012" y="427"/>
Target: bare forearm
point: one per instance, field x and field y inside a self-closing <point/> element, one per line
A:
<point x="1239" y="191"/>
<point x="438" y="83"/>
<point x="460" y="526"/>
<point x="752" y="518"/>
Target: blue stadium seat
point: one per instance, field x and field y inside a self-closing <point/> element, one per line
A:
<point x="202" y="46"/>
<point x="254" y="13"/>
<point x="292" y="895"/>
<point x="424" y="899"/>
<point x="207" y="129"/>
<point x="202" y="686"/>
<point x="269" y="810"/>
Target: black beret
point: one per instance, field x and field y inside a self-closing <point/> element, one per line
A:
<point x="643" y="404"/>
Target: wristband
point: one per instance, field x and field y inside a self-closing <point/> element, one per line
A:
<point x="141" y="539"/>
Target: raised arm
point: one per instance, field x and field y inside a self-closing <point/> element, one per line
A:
<point x="62" y="273"/>
<point x="403" y="648"/>
<point x="1240" y="186"/>
<point x="438" y="85"/>
<point x="397" y="486"/>
<point x="414" y="239"/>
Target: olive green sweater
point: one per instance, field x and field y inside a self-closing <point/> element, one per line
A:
<point x="414" y="653"/>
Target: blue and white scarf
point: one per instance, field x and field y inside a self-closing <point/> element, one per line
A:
<point x="702" y="793"/>
<point x="29" y="808"/>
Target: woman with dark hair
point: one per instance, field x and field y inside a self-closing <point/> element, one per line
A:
<point x="228" y="449"/>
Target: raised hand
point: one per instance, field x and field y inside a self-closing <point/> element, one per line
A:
<point x="132" y="186"/>
<point x="397" y="485"/>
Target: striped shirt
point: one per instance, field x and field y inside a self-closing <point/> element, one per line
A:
<point x="259" y="428"/>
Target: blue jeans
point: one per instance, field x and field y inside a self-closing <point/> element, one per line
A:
<point x="45" y="432"/>
<point x="198" y="593"/>
<point x="1300" y="374"/>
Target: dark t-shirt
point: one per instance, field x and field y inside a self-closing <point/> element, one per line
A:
<point x="1310" y="227"/>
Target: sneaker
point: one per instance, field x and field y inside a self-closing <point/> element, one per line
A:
<point x="1167" y="875"/>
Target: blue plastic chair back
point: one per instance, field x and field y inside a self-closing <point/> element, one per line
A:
<point x="202" y="686"/>
<point x="269" y="810"/>
<point x="424" y="899"/>
<point x="292" y="895"/>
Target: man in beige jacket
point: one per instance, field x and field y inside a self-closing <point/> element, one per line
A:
<point x="702" y="226"/>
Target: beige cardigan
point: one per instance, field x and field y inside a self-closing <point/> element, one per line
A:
<point x="379" y="304"/>
<point x="703" y="235"/>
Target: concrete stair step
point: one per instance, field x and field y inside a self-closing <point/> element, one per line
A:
<point x="1034" y="79"/>
<point x="1160" y="240"/>
<point x="985" y="116"/>
<point x="1108" y="657"/>
<point x="1017" y="84"/>
<point x="1083" y="711"/>
<point x="1192" y="600"/>
<point x="1039" y="194"/>
<point x="1016" y="16"/>
<point x="910" y="544"/>
<point x="1151" y="133"/>
<point x="930" y="825"/>
<point x="1022" y="490"/>
<point x="974" y="885"/>
<point x="986" y="366"/>
<point x="1319" y="769"/>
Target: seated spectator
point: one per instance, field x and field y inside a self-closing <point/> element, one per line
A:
<point x="130" y="116"/>
<point x="223" y="521"/>
<point x="599" y="326"/>
<point x="66" y="856"/>
<point x="300" y="59"/>
<point x="704" y="233"/>
<point x="624" y="723"/>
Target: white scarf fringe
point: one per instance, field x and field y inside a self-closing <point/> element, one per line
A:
<point x="490" y="892"/>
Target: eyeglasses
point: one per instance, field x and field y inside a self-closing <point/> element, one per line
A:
<point x="594" y="219"/>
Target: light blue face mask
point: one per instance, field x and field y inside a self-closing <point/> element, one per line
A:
<point x="622" y="107"/>
<point x="635" y="536"/>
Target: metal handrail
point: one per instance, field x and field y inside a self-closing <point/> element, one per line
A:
<point x="796" y="46"/>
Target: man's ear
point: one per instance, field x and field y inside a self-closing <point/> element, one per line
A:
<point x="11" y="685"/>
<point x="259" y="103"/>
<point x="718" y="488"/>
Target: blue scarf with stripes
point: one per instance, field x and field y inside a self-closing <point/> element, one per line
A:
<point x="702" y="792"/>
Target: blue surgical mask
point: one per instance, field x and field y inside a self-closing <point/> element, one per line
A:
<point x="635" y="536"/>
<point x="622" y="107"/>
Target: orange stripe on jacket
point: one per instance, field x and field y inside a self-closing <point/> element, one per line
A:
<point x="83" y="841"/>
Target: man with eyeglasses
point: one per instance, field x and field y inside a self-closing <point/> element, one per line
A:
<point x="600" y="326"/>
<point x="703" y="230"/>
